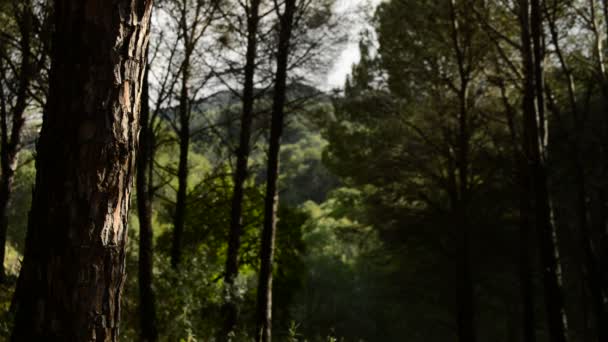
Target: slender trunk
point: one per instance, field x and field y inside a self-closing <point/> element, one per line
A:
<point x="11" y="144"/>
<point x="230" y="309"/>
<point x="147" y="311"/>
<point x="526" y="285"/>
<point x="591" y="266"/>
<point x="535" y="136"/>
<point x="466" y="293"/>
<point x="598" y="213"/>
<point x="554" y="299"/>
<point x="182" y="168"/>
<point x="271" y="201"/>
<point x="525" y="259"/>
<point x="74" y="265"/>
<point x="466" y="296"/>
<point x="605" y="11"/>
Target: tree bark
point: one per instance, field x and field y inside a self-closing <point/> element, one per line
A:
<point x="74" y="265"/>
<point x="11" y="143"/>
<point x="534" y="120"/>
<point x="242" y="155"/>
<point x="147" y="311"/>
<point x="271" y="200"/>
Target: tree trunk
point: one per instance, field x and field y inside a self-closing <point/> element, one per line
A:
<point x="182" y="168"/>
<point x="525" y="260"/>
<point x="271" y="200"/>
<point x="242" y="155"/>
<point x="591" y="266"/>
<point x="147" y="311"/>
<point x="74" y="265"/>
<point x="598" y="214"/>
<point x="466" y="289"/>
<point x="534" y="131"/>
<point x="11" y="144"/>
<point x="526" y="284"/>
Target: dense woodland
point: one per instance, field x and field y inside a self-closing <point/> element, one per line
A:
<point x="176" y="170"/>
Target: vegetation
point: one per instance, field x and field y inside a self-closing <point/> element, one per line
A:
<point x="453" y="190"/>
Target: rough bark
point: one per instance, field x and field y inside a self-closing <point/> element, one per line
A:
<point x="534" y="120"/>
<point x="271" y="200"/>
<point x="11" y="142"/>
<point x="147" y="311"/>
<point x="74" y="264"/>
<point x="242" y="157"/>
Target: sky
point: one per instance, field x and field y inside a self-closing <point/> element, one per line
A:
<point x="350" y="54"/>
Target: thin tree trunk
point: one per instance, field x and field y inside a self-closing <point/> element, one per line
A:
<point x="526" y="284"/>
<point x="11" y="144"/>
<point x="182" y="168"/>
<point x="271" y="200"/>
<point x="147" y="311"/>
<point x="74" y="265"/>
<point x="242" y="155"/>
<point x="525" y="259"/>
<point x="535" y="135"/>
<point x="591" y="266"/>
<point x="598" y="213"/>
<point x="465" y="288"/>
<point x="466" y="299"/>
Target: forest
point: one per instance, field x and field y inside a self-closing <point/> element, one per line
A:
<point x="184" y="170"/>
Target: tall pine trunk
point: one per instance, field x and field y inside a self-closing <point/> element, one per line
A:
<point x="11" y="142"/>
<point x="74" y="264"/>
<point x="271" y="201"/>
<point x="147" y="311"/>
<point x="534" y="131"/>
<point x="230" y="309"/>
<point x="182" y="168"/>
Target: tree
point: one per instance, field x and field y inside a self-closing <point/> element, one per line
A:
<point x="576" y="105"/>
<point x="192" y="21"/>
<point x="242" y="157"/>
<point x="271" y="201"/>
<point x="12" y="119"/>
<point x="74" y="264"/>
<point x="144" y="187"/>
<point x="534" y="146"/>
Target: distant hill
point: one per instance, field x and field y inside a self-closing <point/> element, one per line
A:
<point x="302" y="170"/>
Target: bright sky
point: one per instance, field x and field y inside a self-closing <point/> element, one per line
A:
<point x="350" y="54"/>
